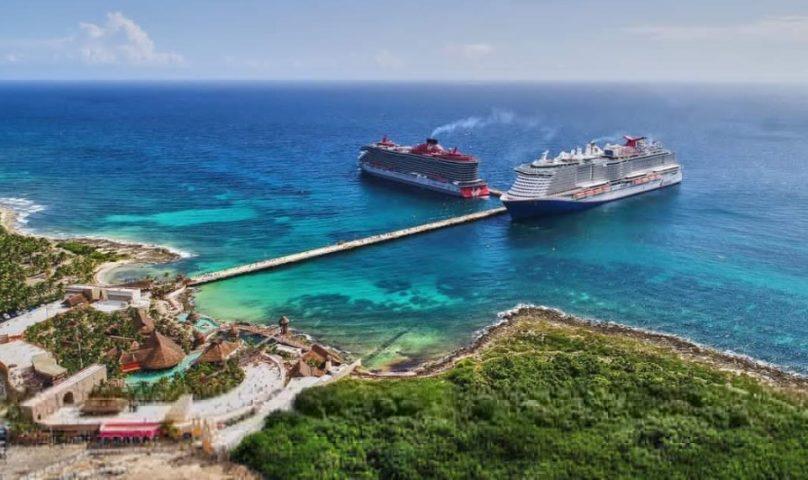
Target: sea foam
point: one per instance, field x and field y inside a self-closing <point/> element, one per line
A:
<point x="22" y="208"/>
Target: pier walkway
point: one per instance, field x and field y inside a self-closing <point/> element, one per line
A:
<point x="341" y="247"/>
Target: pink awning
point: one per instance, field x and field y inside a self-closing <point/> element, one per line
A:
<point x="129" y="430"/>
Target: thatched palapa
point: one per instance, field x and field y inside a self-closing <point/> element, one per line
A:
<point x="218" y="352"/>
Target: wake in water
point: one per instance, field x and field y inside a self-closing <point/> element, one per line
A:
<point x="496" y="117"/>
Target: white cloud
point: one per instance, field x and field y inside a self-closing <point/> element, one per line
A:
<point x="469" y="51"/>
<point x="117" y="41"/>
<point x="387" y="60"/>
<point x="792" y="28"/>
<point x="120" y="41"/>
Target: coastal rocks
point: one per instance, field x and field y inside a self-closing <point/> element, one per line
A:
<point x="523" y="315"/>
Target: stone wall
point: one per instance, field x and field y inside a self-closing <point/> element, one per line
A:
<point x="72" y="391"/>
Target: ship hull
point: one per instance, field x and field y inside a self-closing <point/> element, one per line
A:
<point x="522" y="209"/>
<point x="463" y="191"/>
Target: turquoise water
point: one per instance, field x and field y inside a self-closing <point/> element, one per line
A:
<point x="206" y="325"/>
<point x="233" y="173"/>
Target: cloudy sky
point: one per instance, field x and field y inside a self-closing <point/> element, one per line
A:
<point x="469" y="40"/>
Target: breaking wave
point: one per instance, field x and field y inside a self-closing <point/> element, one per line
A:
<point x="22" y="208"/>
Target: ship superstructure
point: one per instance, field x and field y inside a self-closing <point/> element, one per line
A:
<point x="590" y="176"/>
<point x="427" y="165"/>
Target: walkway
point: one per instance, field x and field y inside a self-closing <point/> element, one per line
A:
<point x="262" y="380"/>
<point x="342" y="247"/>
<point x="17" y="325"/>
<point x="227" y="438"/>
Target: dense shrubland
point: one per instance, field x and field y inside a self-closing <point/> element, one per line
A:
<point x="547" y="401"/>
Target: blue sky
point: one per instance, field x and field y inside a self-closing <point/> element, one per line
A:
<point x="471" y="40"/>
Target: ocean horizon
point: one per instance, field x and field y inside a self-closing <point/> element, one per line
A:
<point x="231" y="172"/>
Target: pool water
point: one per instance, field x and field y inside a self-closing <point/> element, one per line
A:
<point x="152" y="376"/>
<point x="206" y="325"/>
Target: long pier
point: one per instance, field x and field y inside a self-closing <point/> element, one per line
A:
<point x="342" y="247"/>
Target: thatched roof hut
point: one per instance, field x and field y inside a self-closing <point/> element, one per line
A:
<point x="103" y="406"/>
<point x="304" y="369"/>
<point x="143" y="321"/>
<point x="74" y="299"/>
<point x="218" y="352"/>
<point x="199" y="338"/>
<point x="324" y="354"/>
<point x="162" y="353"/>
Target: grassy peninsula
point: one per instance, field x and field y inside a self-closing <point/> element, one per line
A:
<point x="544" y="397"/>
<point x="34" y="270"/>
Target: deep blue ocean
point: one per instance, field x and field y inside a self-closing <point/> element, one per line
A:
<point x="233" y="173"/>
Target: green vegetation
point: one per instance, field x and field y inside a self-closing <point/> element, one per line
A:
<point x="83" y="336"/>
<point x="202" y="380"/>
<point x="79" y="248"/>
<point x="548" y="400"/>
<point x="34" y="270"/>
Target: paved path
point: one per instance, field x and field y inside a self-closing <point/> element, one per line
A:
<point x="17" y="325"/>
<point x="342" y="247"/>
<point x="228" y="438"/>
<point x="261" y="382"/>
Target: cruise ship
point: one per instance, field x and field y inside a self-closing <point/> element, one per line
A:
<point x="585" y="178"/>
<point x="427" y="165"/>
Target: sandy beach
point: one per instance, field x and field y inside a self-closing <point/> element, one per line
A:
<point x="134" y="253"/>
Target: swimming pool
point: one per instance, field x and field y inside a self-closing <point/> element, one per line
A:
<point x="206" y="325"/>
<point x="151" y="376"/>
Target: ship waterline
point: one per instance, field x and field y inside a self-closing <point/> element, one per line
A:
<point x="427" y="166"/>
<point x="246" y="183"/>
<point x="589" y="177"/>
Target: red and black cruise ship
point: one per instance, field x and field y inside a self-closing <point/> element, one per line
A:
<point x="427" y="165"/>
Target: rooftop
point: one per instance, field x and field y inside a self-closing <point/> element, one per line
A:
<point x="65" y="385"/>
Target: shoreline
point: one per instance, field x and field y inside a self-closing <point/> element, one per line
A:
<point x="135" y="253"/>
<point x="772" y="375"/>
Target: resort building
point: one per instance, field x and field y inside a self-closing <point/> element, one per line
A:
<point x="90" y="292"/>
<point x="128" y="295"/>
<point x="218" y="351"/>
<point x="134" y="432"/>
<point x="103" y="406"/>
<point x="106" y="299"/>
<point x="143" y="322"/>
<point x="74" y="300"/>
<point x="160" y="353"/>
<point x="315" y="363"/>
<point x="25" y="368"/>
<point x="72" y="391"/>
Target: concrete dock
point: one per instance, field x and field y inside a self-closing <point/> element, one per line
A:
<point x="342" y="247"/>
